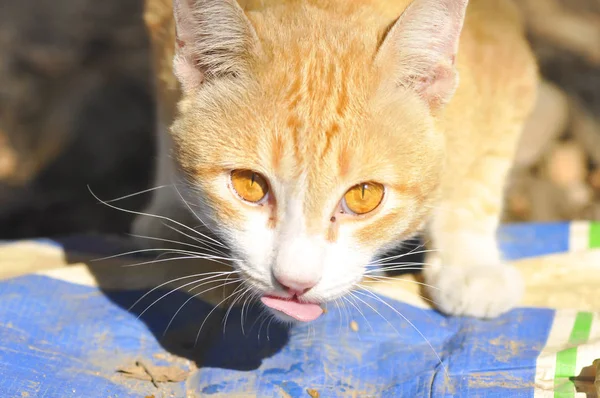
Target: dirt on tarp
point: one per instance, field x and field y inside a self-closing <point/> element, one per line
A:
<point x="155" y="374"/>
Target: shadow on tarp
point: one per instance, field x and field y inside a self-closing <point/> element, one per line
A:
<point x="186" y="327"/>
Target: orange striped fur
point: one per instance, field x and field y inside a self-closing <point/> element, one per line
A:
<point x="313" y="97"/>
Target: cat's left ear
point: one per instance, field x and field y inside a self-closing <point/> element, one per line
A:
<point x="421" y="47"/>
<point x="215" y="39"/>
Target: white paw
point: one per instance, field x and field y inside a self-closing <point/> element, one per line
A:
<point x="477" y="291"/>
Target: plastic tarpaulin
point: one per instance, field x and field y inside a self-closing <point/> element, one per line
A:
<point x="63" y="335"/>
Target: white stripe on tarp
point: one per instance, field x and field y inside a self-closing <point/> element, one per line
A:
<point x="579" y="236"/>
<point x="587" y="353"/>
<point x="558" y="339"/>
<point x="77" y="274"/>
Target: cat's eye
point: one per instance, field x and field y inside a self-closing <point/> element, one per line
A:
<point x="249" y="185"/>
<point x="363" y="198"/>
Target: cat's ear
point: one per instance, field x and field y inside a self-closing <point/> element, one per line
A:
<point x="421" y="47"/>
<point x="214" y="38"/>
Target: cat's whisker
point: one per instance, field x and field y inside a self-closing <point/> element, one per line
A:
<point x="268" y="326"/>
<point x="139" y="213"/>
<point x="424" y="298"/>
<point x="259" y="318"/>
<point x="385" y="265"/>
<point x="382" y="260"/>
<point x="193" y="297"/>
<point x="399" y="269"/>
<point x="203" y="242"/>
<point x="178" y="243"/>
<point x="188" y="257"/>
<point x="195" y="215"/>
<point x="409" y="322"/>
<point x="394" y="267"/>
<point x="174" y="251"/>
<point x="160" y="256"/>
<point x="374" y="310"/>
<point x="266" y="317"/>
<point x="211" y="275"/>
<point x="248" y="298"/>
<point x="239" y="296"/>
<point x="137" y="193"/>
<point x="340" y="312"/>
<point x="359" y="311"/>
<point x="235" y="299"/>
<point x="179" y="288"/>
<point x="210" y="313"/>
<point x="252" y="301"/>
<point x="391" y="280"/>
<point x="346" y="311"/>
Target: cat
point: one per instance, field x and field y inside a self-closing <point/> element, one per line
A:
<point x="314" y="135"/>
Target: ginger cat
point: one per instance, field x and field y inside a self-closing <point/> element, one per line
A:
<point x="313" y="135"/>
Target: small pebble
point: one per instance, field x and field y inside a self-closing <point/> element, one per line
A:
<point x="313" y="393"/>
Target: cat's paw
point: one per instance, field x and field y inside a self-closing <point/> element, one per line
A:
<point x="477" y="291"/>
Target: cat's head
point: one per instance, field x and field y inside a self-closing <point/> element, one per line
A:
<point x="309" y="138"/>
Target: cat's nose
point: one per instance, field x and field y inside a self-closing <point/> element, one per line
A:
<point x="294" y="287"/>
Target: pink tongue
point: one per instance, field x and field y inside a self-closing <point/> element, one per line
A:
<point x="304" y="312"/>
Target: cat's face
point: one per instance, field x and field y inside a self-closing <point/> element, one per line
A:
<point x="309" y="163"/>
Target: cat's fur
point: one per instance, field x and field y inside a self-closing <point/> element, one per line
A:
<point x="319" y="95"/>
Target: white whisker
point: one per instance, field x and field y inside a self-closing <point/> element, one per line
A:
<point x="195" y="215"/>
<point x="239" y="296"/>
<point x="410" y="323"/>
<point x="268" y="326"/>
<point x="139" y="213"/>
<point x="209" y="314"/>
<point x="189" y="257"/>
<point x="194" y="296"/>
<point x="137" y="193"/>
<point x="216" y="274"/>
<point x="367" y="273"/>
<point x="382" y="260"/>
<point x="177" y="289"/>
<point x="374" y="310"/>
<point x="174" y="251"/>
<point x="387" y="279"/>
<point x="179" y="243"/>
<point x="359" y="311"/>
<point x="203" y="242"/>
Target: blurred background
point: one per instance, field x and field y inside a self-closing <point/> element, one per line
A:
<point x="77" y="109"/>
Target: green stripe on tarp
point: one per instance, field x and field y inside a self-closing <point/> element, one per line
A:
<point x="595" y="235"/>
<point x="566" y="360"/>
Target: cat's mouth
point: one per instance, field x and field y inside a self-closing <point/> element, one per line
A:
<point x="292" y="307"/>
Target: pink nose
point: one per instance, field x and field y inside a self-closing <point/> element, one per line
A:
<point x="295" y="288"/>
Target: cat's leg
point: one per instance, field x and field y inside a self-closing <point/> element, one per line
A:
<point x="467" y="274"/>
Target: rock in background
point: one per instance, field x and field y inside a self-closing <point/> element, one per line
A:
<point x="76" y="109"/>
<point x="557" y="175"/>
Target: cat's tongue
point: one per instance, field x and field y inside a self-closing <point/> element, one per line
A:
<point x="304" y="312"/>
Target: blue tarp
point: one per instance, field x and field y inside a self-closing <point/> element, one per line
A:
<point x="59" y="339"/>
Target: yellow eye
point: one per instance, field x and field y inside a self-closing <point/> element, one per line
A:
<point x="363" y="198"/>
<point x="250" y="186"/>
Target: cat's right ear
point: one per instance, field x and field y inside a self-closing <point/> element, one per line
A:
<point x="421" y="48"/>
<point x="214" y="38"/>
